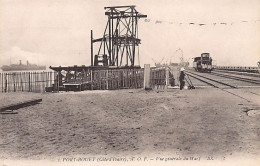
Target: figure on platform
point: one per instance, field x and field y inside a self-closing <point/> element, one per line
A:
<point x="181" y="78"/>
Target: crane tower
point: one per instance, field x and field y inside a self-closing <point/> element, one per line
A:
<point x="119" y="43"/>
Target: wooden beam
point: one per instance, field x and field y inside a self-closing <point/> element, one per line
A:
<point x="20" y="105"/>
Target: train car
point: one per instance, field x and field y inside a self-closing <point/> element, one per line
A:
<point x="203" y="63"/>
<point x="240" y="68"/>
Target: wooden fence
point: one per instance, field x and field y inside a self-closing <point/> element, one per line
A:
<point x="26" y="81"/>
<point x="95" y="79"/>
<point x="117" y="79"/>
<point x="158" y="77"/>
<point x="91" y="79"/>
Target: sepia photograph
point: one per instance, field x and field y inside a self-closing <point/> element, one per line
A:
<point x="129" y="82"/>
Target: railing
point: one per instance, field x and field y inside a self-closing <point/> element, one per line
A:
<point x="158" y="77"/>
<point x="108" y="79"/>
<point x="117" y="79"/>
<point x="26" y="81"/>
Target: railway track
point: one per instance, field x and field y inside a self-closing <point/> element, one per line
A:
<point x="220" y="84"/>
<point x="253" y="81"/>
<point x="209" y="81"/>
<point x="237" y="73"/>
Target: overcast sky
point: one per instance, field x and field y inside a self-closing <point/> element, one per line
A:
<point x="57" y="32"/>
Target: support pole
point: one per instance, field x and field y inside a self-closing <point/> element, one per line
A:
<point x="112" y="48"/>
<point x="147" y="76"/>
<point x="109" y="50"/>
<point x="91" y="48"/>
<point x="133" y="36"/>
<point x="117" y="47"/>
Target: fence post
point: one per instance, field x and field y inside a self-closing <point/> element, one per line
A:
<point x="5" y="82"/>
<point x="58" y="81"/>
<point x="167" y="77"/>
<point x="42" y="81"/>
<point x="1" y="82"/>
<point x="147" y="72"/>
<point x="91" y="79"/>
<point x="100" y="80"/>
<point x="107" y="79"/>
<point x="29" y="81"/>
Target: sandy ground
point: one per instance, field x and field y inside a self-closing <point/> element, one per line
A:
<point x="202" y="122"/>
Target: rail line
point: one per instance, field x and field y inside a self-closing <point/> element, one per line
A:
<point x="196" y="76"/>
<point x="237" y="78"/>
<point x="202" y="80"/>
<point x="238" y="73"/>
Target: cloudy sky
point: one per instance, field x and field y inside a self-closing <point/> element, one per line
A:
<point x="57" y="32"/>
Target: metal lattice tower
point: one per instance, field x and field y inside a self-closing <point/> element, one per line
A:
<point x="119" y="43"/>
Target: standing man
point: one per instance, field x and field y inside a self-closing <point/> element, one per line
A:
<point x="181" y="78"/>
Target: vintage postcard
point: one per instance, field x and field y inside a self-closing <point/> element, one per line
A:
<point x="128" y="82"/>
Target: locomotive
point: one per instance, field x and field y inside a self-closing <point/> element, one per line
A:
<point x="203" y="63"/>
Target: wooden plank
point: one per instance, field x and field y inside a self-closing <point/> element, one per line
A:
<point x="14" y="81"/>
<point x="8" y="112"/>
<point x="7" y="81"/>
<point x="18" y="81"/>
<point x="26" y="78"/>
<point x="2" y="82"/>
<point x="20" y="105"/>
<point x="106" y="72"/>
<point x="29" y="81"/>
<point x="33" y="81"/>
<point x="67" y="84"/>
<point x="21" y="80"/>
